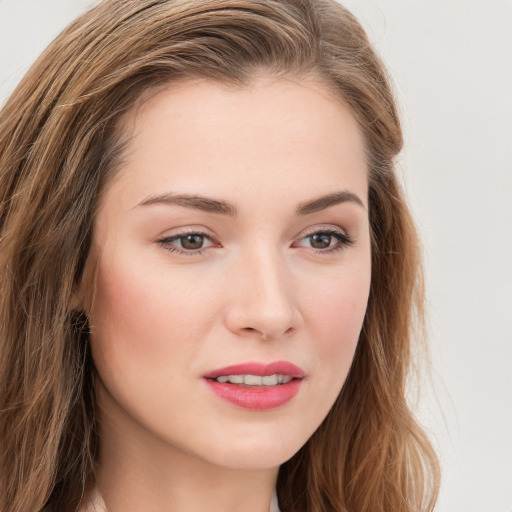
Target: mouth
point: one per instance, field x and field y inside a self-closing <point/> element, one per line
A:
<point x="255" y="369"/>
<point x="276" y="379"/>
<point x="256" y="386"/>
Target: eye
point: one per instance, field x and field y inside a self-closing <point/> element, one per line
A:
<point x="325" y="240"/>
<point x="187" y="243"/>
<point x="321" y="240"/>
<point x="192" y="242"/>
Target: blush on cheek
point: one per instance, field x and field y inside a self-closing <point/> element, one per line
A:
<point x="121" y="313"/>
<point x="340" y="313"/>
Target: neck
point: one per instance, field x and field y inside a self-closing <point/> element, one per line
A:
<point x="139" y="471"/>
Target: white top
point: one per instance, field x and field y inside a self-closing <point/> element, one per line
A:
<point x="96" y="503"/>
<point x="274" y="506"/>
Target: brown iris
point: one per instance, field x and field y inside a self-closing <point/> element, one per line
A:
<point x="320" y="240"/>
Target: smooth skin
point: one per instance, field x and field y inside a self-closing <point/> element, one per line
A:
<point x="181" y="291"/>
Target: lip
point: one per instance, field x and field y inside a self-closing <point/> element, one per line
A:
<point x="256" y="398"/>
<point x="261" y="369"/>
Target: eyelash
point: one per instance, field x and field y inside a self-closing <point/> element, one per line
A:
<point x="343" y="241"/>
<point x="164" y="242"/>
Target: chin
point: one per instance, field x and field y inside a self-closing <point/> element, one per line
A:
<point x="256" y="454"/>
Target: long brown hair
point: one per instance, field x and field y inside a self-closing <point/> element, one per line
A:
<point x="59" y="146"/>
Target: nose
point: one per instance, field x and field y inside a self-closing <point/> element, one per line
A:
<point x="262" y="299"/>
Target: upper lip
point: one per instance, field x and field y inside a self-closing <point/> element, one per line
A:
<point x="256" y="368"/>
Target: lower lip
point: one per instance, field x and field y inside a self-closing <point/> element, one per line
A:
<point x="254" y="397"/>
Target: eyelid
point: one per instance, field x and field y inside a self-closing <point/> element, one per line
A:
<point x="322" y="228"/>
<point x="166" y="240"/>
<point x="344" y="239"/>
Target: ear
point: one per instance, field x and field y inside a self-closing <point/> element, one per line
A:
<point x="77" y="301"/>
<point x="82" y="294"/>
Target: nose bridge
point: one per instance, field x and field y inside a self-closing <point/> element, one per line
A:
<point x="263" y="300"/>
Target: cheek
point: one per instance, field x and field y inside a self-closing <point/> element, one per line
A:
<point x="133" y="297"/>
<point x="132" y="319"/>
<point x="335" y="315"/>
<point x="126" y="302"/>
<point x="147" y="317"/>
<point x="143" y="336"/>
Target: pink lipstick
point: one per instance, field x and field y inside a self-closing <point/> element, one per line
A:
<point x="256" y="386"/>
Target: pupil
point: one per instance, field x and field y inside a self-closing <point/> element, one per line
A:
<point x="321" y="241"/>
<point x="192" y="241"/>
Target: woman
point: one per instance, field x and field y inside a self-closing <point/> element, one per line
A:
<point x="210" y="278"/>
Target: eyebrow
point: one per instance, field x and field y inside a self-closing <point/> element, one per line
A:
<point x="209" y="205"/>
<point x="197" y="202"/>
<point x="321" y="203"/>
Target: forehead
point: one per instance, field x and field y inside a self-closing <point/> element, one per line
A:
<point x="199" y="134"/>
<point x="202" y="103"/>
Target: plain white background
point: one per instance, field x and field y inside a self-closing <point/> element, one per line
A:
<point x="452" y="65"/>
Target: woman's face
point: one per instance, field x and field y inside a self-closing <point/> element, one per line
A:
<point x="235" y="234"/>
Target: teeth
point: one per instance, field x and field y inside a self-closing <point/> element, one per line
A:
<point x="255" y="380"/>
<point x="270" y="380"/>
